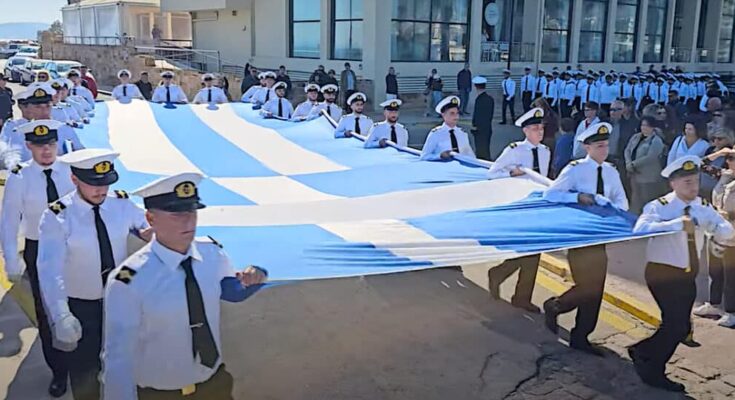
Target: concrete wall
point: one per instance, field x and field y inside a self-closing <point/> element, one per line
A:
<point x="230" y="33"/>
<point x="192" y="5"/>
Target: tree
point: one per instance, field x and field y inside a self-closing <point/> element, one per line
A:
<point x="56" y="28"/>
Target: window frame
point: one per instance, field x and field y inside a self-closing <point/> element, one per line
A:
<point x="333" y="29"/>
<point x="430" y="22"/>
<point x="635" y="29"/>
<point x="568" y="30"/>
<point x="731" y="39"/>
<point x="660" y="59"/>
<point x="291" y="24"/>
<point x="603" y="32"/>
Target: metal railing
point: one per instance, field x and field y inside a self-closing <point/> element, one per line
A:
<point x="99" y="40"/>
<point x="192" y="59"/>
<point x="499" y="51"/>
<point x="681" y="54"/>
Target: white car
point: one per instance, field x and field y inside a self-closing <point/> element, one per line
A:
<point x="11" y="67"/>
<point x="59" y="69"/>
<point x="29" y="69"/>
<point x="28" y="51"/>
<point x="10" y="50"/>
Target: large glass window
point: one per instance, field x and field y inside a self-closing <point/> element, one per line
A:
<point x="702" y="29"/>
<point x="347" y="29"/>
<point x="496" y="32"/>
<point x="724" y="48"/>
<point x="653" y="42"/>
<point x="593" y="30"/>
<point x="681" y="43"/>
<point x="557" y="22"/>
<point x="626" y="28"/>
<point x="430" y="30"/>
<point x="305" y="22"/>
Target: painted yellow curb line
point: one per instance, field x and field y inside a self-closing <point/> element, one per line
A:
<point x="21" y="296"/>
<point x="645" y="313"/>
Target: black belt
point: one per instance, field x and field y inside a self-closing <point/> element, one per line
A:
<point x="186" y="390"/>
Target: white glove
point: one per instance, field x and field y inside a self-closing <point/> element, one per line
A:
<point x="14" y="273"/>
<point x="67" y="331"/>
<point x="601" y="200"/>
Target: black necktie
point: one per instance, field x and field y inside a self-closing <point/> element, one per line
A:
<point x="106" y="258"/>
<point x="453" y="138"/>
<point x="168" y="94"/>
<point x="125" y="90"/>
<point x="535" y="160"/>
<point x="74" y="92"/>
<point x="621" y="91"/>
<point x="393" y="136"/>
<point x="267" y="95"/>
<point x="209" y="95"/>
<point x="357" y="125"/>
<point x="600" y="182"/>
<point x="692" y="246"/>
<point x="538" y="85"/>
<point x="51" y="193"/>
<point x="589" y="87"/>
<point x="201" y="335"/>
<point x="280" y="108"/>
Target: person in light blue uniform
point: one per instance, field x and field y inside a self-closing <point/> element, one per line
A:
<point x="354" y="123"/>
<point x="389" y="129"/>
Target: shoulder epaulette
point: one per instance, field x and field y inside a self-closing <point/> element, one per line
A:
<point x="574" y="163"/>
<point x="706" y="202"/>
<point x="216" y="243"/>
<point x="436" y="128"/>
<point x="376" y="124"/>
<point x="16" y="169"/>
<point x="121" y="194"/>
<point x="125" y="275"/>
<point x="663" y="201"/>
<point x="57" y="207"/>
<point x="513" y="145"/>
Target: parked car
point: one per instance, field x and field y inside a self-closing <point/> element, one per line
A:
<point x="29" y="69"/>
<point x="11" y="67"/>
<point x="10" y="50"/>
<point x="28" y="51"/>
<point x="59" y="69"/>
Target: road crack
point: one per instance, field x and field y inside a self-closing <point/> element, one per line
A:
<point x="485" y="365"/>
<point x="539" y="364"/>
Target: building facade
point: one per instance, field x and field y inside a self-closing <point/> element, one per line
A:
<point x="414" y="36"/>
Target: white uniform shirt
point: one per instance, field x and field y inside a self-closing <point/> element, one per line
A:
<point x="509" y="88"/>
<point x="528" y="83"/>
<point x="148" y="339"/>
<point x="80" y="106"/>
<point x="247" y="97"/>
<point x="130" y="92"/>
<point x="217" y="96"/>
<point x="439" y="141"/>
<point x="17" y="140"/>
<point x="85" y="93"/>
<point x="69" y="263"/>
<point x="303" y="110"/>
<point x="70" y="111"/>
<point x="263" y="96"/>
<point x="578" y="150"/>
<point x="271" y="108"/>
<point x="581" y="177"/>
<point x="382" y="130"/>
<point x="569" y="89"/>
<point x="666" y="215"/>
<point x="177" y="94"/>
<point x="608" y="93"/>
<point x="551" y="92"/>
<point x="539" y="86"/>
<point x="24" y="202"/>
<point x="333" y="110"/>
<point x="59" y="113"/>
<point x="349" y="122"/>
<point x="590" y="93"/>
<point x="517" y="155"/>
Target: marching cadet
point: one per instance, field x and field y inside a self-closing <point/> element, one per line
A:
<point x="540" y="86"/>
<point x="328" y="105"/>
<point x="638" y="91"/>
<point x="660" y="91"/>
<point x="608" y="94"/>
<point x="482" y="118"/>
<point x="389" y="129"/>
<point x="28" y="191"/>
<point x="78" y="90"/>
<point x="551" y="93"/>
<point x="82" y="238"/>
<point x="673" y="264"/>
<point x="566" y="94"/>
<point x="210" y="94"/>
<point x="304" y="109"/>
<point x="509" y="95"/>
<point x="169" y="92"/>
<point x="587" y="182"/>
<point x="162" y="305"/>
<point x="247" y="97"/>
<point x="625" y="90"/>
<point x="279" y="106"/>
<point x="60" y="111"/>
<point x="355" y="122"/>
<point x="531" y="154"/>
<point x="590" y="92"/>
<point x="75" y="102"/>
<point x="528" y="82"/>
<point x="125" y="91"/>
<point x="266" y="93"/>
<point x="448" y="137"/>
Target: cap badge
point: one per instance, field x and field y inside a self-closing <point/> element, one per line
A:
<point x="603" y="130"/>
<point x="39" y="93"/>
<point x="41" y="130"/>
<point x="103" y="167"/>
<point x="185" y="190"/>
<point x="538" y="114"/>
<point x="455" y="100"/>
<point x="394" y="104"/>
<point x="689" y="166"/>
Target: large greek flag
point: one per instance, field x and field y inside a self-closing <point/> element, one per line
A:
<point x="291" y="198"/>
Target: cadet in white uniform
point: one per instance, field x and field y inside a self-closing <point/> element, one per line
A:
<point x="355" y="122"/>
<point x="162" y="305"/>
<point x="304" y="109"/>
<point x="82" y="237"/>
<point x="125" y="91"/>
<point x="389" y="129"/>
<point x="278" y="107"/>
<point x="509" y="96"/>
<point x="63" y="112"/>
<point x="587" y="182"/>
<point x="210" y="94"/>
<point x="672" y="265"/>
<point x="247" y="97"/>
<point x="533" y="155"/>
<point x="28" y="191"/>
<point x="169" y="93"/>
<point x="78" y="90"/>
<point x="448" y="137"/>
<point x="330" y="96"/>
<point x="266" y="93"/>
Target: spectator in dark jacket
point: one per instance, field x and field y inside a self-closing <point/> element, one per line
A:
<point x="319" y="76"/>
<point x="391" y="85"/>
<point x="464" y="84"/>
<point x="331" y="78"/>
<point x="563" y="147"/>
<point x="145" y="86"/>
<point x="482" y="118"/>
<point x="283" y="77"/>
<point x="6" y="101"/>
<point x="250" y="80"/>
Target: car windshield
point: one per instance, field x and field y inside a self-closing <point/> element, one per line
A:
<point x="28" y="50"/>
<point x="18" y="61"/>
<point x="63" y="67"/>
<point x="38" y="65"/>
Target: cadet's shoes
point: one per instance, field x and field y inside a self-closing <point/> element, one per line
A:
<point x="707" y="310"/>
<point x="664" y="383"/>
<point x="727" y="320"/>
<point x="587" y="347"/>
<point x="493" y="286"/>
<point x="526" y="305"/>
<point x="551" y="311"/>
<point x="57" y="388"/>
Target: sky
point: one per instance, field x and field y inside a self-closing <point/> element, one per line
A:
<point x="30" y="10"/>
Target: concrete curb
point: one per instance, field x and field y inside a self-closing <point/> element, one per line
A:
<point x="643" y="312"/>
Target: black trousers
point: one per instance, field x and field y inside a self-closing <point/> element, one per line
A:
<point x="55" y="358"/>
<point x="589" y="269"/>
<point x="566" y="109"/>
<point x="528" y="267"/>
<point x="605" y="108"/>
<point x="218" y="387"/>
<point x="84" y="361"/>
<point x="509" y="104"/>
<point x="674" y="290"/>
<point x="722" y="280"/>
<point x="526" y="99"/>
<point x="482" y="143"/>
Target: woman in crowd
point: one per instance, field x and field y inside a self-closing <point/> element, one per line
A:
<point x="660" y="116"/>
<point x="721" y="138"/>
<point x="692" y="142"/>
<point x="643" y="164"/>
<point x="551" y="123"/>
